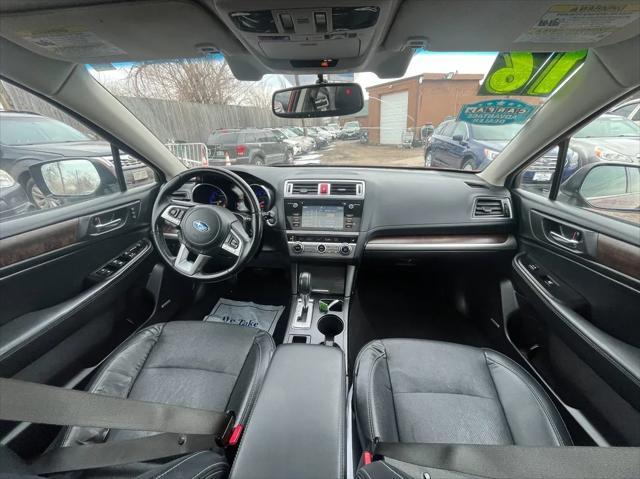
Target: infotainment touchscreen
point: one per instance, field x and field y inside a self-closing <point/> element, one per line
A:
<point x="323" y="217"/>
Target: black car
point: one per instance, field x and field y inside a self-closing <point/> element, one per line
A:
<point x="29" y="138"/>
<point x="253" y="146"/>
<point x="13" y="199"/>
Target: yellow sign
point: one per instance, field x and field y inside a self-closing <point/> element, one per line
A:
<point x="530" y="74"/>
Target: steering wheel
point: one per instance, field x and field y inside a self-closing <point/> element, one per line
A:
<point x="207" y="233"/>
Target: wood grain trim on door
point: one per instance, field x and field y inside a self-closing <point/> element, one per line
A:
<point x="618" y="255"/>
<point x="33" y="243"/>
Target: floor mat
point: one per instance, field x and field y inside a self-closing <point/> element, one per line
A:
<point x="244" y="313"/>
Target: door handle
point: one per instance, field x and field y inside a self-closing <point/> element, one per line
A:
<point x="564" y="241"/>
<point x="108" y="224"/>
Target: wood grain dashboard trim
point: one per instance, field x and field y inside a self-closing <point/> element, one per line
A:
<point x="618" y="255"/>
<point x="34" y="243"/>
<point x="494" y="242"/>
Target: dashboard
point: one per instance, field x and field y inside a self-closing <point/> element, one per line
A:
<point x="343" y="213"/>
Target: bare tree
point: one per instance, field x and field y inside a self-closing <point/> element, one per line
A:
<point x="194" y="80"/>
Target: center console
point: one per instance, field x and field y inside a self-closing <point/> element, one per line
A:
<point x="323" y="217"/>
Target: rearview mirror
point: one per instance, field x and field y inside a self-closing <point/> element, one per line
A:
<point x="606" y="186"/>
<point x="70" y="177"/>
<point x="315" y="101"/>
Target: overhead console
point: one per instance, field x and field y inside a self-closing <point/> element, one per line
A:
<point x="323" y="217"/>
<point x="297" y="35"/>
<point x="319" y="34"/>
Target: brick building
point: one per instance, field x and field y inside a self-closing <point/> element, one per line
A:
<point x="411" y="102"/>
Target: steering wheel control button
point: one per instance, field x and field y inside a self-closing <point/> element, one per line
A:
<point x="233" y="244"/>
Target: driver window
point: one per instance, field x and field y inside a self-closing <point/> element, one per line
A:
<point x="67" y="163"/>
<point x="460" y="129"/>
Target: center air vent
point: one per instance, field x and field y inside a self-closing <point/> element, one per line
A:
<point x="344" y="189"/>
<point x="325" y="188"/>
<point x="492" y="208"/>
<point x="303" y="188"/>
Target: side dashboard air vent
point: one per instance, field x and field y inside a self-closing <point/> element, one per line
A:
<point x="180" y="195"/>
<point x="492" y="208"/>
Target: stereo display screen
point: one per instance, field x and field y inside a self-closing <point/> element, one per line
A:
<point x="323" y="217"/>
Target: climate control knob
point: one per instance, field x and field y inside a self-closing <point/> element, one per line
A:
<point x="298" y="248"/>
<point x="321" y="248"/>
<point x="345" y="249"/>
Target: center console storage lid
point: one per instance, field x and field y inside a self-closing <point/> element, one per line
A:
<point x="297" y="427"/>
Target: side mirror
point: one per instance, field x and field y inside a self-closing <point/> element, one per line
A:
<point x="459" y="138"/>
<point x="67" y="178"/>
<point x="609" y="186"/>
<point x="316" y="101"/>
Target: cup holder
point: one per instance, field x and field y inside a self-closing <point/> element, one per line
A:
<point x="330" y="326"/>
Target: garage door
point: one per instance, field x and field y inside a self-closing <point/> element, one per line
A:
<point x="393" y="117"/>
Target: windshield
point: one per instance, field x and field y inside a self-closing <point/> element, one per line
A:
<point x="495" y="133"/>
<point x="199" y="102"/>
<point x="609" y="127"/>
<point x="32" y="130"/>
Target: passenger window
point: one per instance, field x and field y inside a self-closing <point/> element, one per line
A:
<point x="601" y="172"/>
<point x="49" y="160"/>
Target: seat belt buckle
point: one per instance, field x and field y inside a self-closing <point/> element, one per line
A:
<point x="236" y="433"/>
<point x="222" y="440"/>
<point x="367" y="454"/>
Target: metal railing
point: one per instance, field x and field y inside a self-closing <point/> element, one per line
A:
<point x="192" y="155"/>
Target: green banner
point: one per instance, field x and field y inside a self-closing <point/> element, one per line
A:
<point x="530" y="74"/>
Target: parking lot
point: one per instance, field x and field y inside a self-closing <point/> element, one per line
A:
<point x="352" y="152"/>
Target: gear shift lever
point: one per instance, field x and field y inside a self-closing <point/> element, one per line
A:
<point x="304" y="288"/>
<point x="304" y="308"/>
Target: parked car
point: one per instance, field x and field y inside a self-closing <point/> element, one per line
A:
<point x="321" y="139"/>
<point x="321" y="132"/>
<point x="307" y="140"/>
<point x="629" y="110"/>
<point x="297" y="146"/>
<point x="252" y="145"/>
<point x="609" y="138"/>
<point x="29" y="138"/>
<point x="13" y="199"/>
<point x="350" y="131"/>
<point x="462" y="145"/>
<point x="332" y="133"/>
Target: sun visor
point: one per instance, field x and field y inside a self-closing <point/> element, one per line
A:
<point x="125" y="31"/>
<point x="523" y="25"/>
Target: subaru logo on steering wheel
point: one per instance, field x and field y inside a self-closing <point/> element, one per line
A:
<point x="201" y="226"/>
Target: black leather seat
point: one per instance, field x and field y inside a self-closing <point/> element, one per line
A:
<point x="212" y="366"/>
<point x="409" y="390"/>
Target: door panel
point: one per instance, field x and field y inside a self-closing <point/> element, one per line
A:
<point x="56" y="300"/>
<point x="577" y="280"/>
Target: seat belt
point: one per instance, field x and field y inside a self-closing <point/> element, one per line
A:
<point x="514" y="462"/>
<point x="185" y="429"/>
